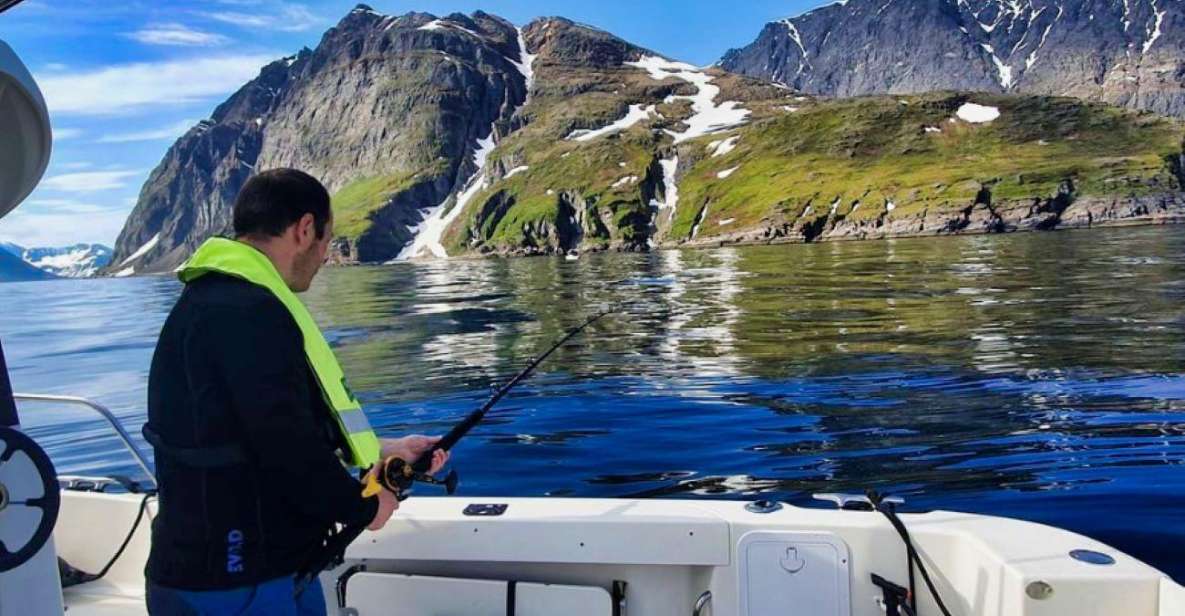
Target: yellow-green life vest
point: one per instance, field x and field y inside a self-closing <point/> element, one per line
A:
<point x="240" y="260"/>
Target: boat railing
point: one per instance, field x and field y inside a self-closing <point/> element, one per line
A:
<point x="106" y="414"/>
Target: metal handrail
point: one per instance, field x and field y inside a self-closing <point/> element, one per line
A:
<point x="107" y="414"/>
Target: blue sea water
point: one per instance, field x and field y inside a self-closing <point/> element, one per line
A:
<point x="1038" y="376"/>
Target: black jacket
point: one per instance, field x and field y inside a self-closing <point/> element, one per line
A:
<point x="230" y="369"/>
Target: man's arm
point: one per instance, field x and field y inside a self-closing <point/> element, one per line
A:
<point x="258" y="351"/>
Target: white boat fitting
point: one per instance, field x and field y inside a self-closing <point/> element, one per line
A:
<point x="541" y="557"/>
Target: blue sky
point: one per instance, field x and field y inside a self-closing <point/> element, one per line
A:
<point x="124" y="79"/>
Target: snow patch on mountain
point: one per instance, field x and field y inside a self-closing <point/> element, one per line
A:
<point x="431" y="230"/>
<point x="670" y="185"/>
<point x="636" y="114"/>
<point x="440" y="24"/>
<point x="143" y="250"/>
<point x="977" y="114"/>
<point x="525" y="63"/>
<point x="1005" y="71"/>
<point x="707" y="117"/>
<point x="1157" y="31"/>
<point x="722" y="147"/>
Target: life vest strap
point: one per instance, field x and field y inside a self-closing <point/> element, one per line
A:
<point x="204" y="458"/>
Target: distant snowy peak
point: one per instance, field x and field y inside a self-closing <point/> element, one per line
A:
<point x="1125" y="52"/>
<point x="77" y="261"/>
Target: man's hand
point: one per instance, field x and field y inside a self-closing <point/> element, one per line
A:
<point x="410" y="448"/>
<point x="388" y="504"/>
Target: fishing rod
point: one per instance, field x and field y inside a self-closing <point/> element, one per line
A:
<point x="398" y="475"/>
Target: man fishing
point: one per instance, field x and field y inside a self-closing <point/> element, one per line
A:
<point x="251" y="419"/>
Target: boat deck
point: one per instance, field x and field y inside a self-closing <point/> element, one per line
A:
<point x="669" y="555"/>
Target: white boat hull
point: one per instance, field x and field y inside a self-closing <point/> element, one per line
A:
<point x="669" y="554"/>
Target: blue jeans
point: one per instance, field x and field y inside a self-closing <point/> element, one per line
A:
<point x="274" y="597"/>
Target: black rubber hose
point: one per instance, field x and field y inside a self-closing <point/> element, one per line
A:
<point x="72" y="577"/>
<point x="913" y="556"/>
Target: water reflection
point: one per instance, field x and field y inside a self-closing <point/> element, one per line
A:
<point x="1033" y="375"/>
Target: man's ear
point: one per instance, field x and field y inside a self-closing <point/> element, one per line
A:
<point x="306" y="230"/>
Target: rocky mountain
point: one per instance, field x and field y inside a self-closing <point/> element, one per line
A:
<point x="77" y="261"/>
<point x="466" y="135"/>
<point x="1124" y="52"/>
<point x="387" y="111"/>
<point x="13" y="268"/>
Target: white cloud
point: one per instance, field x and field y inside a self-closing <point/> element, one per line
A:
<point x="130" y="87"/>
<point x="66" y="206"/>
<point x="47" y="226"/>
<point x="89" y="181"/>
<point x="166" y="132"/>
<point x="281" y="16"/>
<point x="176" y="34"/>
<point x="62" y="134"/>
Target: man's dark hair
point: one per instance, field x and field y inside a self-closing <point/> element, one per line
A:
<point x="276" y="199"/>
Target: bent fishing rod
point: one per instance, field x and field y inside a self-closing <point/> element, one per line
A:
<point x="398" y="475"/>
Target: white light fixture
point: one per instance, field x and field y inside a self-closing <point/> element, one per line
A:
<point x="25" y="137"/>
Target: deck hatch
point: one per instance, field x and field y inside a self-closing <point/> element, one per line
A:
<point x="793" y="573"/>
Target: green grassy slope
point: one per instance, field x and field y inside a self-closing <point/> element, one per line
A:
<point x="873" y="151"/>
<point x="859" y="154"/>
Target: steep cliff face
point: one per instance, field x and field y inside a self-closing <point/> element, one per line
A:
<point x="188" y="196"/>
<point x="1124" y="52"/>
<point x="385" y="109"/>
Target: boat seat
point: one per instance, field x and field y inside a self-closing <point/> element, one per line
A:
<point x="389" y="594"/>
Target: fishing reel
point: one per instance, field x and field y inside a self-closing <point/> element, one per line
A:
<point x="398" y="476"/>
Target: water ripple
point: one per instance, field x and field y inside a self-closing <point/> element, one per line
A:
<point x="1039" y="376"/>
